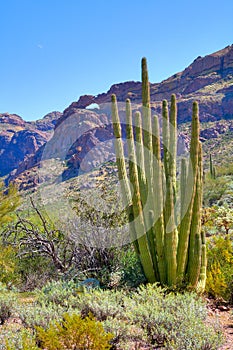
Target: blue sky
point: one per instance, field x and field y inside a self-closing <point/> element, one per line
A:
<point x="53" y="51"/>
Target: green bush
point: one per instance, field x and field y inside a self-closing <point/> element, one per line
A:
<point x="74" y="333"/>
<point x="3" y="288"/>
<point x="7" y="306"/>
<point x="59" y="293"/>
<point x="35" y="272"/>
<point x="39" y="315"/>
<point x="214" y="189"/>
<point x="225" y="169"/>
<point x="21" y="340"/>
<point x="173" y="321"/>
<point x="9" y="201"/>
<point x="8" y="265"/>
<point x="219" y="281"/>
<point x="102" y="304"/>
<point x="130" y="269"/>
<point x="218" y="220"/>
<point x="126" y="335"/>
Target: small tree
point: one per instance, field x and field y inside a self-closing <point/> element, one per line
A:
<point x="41" y="239"/>
<point x="37" y="239"/>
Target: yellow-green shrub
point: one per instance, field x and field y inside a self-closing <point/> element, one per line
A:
<point x="8" y="265"/>
<point x="219" y="281"/>
<point x="25" y="341"/>
<point x="74" y="333"/>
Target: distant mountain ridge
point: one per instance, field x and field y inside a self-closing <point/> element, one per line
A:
<point x="208" y="80"/>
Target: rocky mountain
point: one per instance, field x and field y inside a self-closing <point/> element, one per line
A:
<point x="20" y="139"/>
<point x="86" y="123"/>
<point x="208" y="80"/>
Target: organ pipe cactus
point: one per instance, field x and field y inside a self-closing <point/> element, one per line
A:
<point x="169" y="242"/>
<point x="212" y="168"/>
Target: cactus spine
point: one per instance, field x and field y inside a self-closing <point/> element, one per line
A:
<point x="170" y="254"/>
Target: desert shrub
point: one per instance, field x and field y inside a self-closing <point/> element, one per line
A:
<point x="214" y="189"/>
<point x="219" y="281"/>
<point x="218" y="220"/>
<point x="7" y="306"/>
<point x="36" y="237"/>
<point x="3" y="288"/>
<point x="35" y="272"/>
<point x="174" y="321"/>
<point x="39" y="315"/>
<point x="151" y="317"/>
<point x="47" y="253"/>
<point x="21" y="340"/>
<point x="61" y="293"/>
<point x="125" y="272"/>
<point x="67" y="296"/>
<point x="130" y="269"/>
<point x="122" y="271"/>
<point x="74" y="333"/>
<point x="224" y="219"/>
<point x="8" y="265"/>
<point x="9" y="201"/>
<point x="126" y="335"/>
<point x="122" y="268"/>
<point x="225" y="169"/>
<point x="102" y="304"/>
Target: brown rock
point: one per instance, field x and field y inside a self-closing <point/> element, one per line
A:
<point x="12" y="119"/>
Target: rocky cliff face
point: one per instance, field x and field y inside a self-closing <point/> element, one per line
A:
<point x="208" y="80"/>
<point x="20" y="139"/>
<point x="22" y="143"/>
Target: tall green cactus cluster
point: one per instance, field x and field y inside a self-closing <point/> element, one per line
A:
<point x="164" y="209"/>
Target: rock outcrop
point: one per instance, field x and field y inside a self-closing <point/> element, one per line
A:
<point x="12" y="119"/>
<point x="20" y="140"/>
<point x="23" y="143"/>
